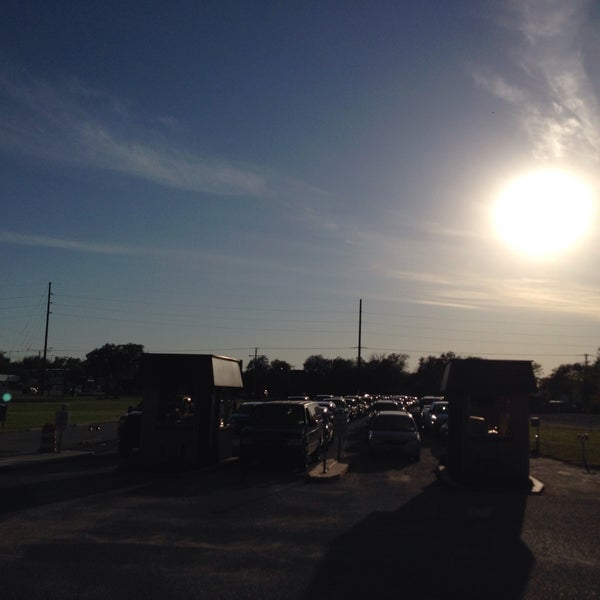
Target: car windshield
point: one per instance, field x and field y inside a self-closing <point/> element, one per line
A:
<point x="386" y="406"/>
<point x="277" y="414"/>
<point x="393" y="423"/>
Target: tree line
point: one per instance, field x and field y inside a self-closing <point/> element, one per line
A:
<point x="114" y="369"/>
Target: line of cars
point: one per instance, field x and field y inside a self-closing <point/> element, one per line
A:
<point x="298" y="428"/>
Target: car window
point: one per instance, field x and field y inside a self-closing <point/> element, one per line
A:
<point x="278" y="414"/>
<point x="386" y="406"/>
<point x="312" y="412"/>
<point x="393" y="423"/>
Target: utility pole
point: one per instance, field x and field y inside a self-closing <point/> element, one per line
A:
<point x="43" y="386"/>
<point x="359" y="343"/>
<point x="255" y="359"/>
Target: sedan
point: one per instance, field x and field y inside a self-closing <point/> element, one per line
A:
<point x="394" y="432"/>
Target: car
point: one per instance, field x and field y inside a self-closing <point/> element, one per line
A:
<point x="385" y="405"/>
<point x="435" y="417"/>
<point x="340" y="402"/>
<point x="394" y="432"/>
<point x="353" y="407"/>
<point x="239" y="418"/>
<point x="289" y="430"/>
<point x="328" y="410"/>
<point x="380" y="405"/>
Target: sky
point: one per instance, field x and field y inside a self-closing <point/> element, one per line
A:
<point x="235" y="177"/>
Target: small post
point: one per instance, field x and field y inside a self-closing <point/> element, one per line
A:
<point x="583" y="437"/>
<point x="61" y="422"/>
<point x="340" y="426"/>
<point x="94" y="429"/>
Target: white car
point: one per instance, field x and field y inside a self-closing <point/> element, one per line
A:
<point x="394" y="432"/>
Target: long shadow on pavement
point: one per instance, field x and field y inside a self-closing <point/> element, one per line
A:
<point x="444" y="543"/>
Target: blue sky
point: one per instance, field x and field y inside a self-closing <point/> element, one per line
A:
<point x="220" y="176"/>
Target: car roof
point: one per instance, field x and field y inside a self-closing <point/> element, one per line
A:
<point x="300" y="402"/>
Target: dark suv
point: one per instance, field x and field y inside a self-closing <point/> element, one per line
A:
<point x="292" y="430"/>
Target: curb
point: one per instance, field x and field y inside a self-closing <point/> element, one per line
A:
<point x="333" y="470"/>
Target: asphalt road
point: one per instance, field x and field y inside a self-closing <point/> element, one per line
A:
<point x="85" y="529"/>
<point x="73" y="438"/>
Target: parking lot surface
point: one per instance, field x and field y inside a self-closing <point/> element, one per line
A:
<point x="386" y="529"/>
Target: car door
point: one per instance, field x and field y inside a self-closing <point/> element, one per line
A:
<point x="314" y="428"/>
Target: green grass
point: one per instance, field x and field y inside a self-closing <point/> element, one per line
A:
<point x="563" y="443"/>
<point x="24" y="414"/>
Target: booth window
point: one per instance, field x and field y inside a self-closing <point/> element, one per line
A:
<point x="226" y="405"/>
<point x="175" y="409"/>
<point x="489" y="416"/>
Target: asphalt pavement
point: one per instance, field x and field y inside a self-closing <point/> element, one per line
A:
<point x="381" y="530"/>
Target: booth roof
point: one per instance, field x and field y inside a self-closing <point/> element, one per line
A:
<point x="478" y="374"/>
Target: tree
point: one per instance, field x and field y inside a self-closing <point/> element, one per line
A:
<point x="430" y="372"/>
<point x="317" y="364"/>
<point x="5" y="364"/>
<point x="278" y="378"/>
<point x="317" y="372"/>
<point x="255" y="376"/>
<point x="386" y="373"/>
<point x="117" y="366"/>
<point x="29" y="370"/>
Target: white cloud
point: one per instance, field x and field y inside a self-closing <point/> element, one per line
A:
<point x="77" y="125"/>
<point x="556" y="101"/>
<point x="499" y="87"/>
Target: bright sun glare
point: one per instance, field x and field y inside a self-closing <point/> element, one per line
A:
<point x="543" y="213"/>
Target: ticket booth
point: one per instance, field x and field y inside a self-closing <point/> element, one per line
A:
<point x="187" y="400"/>
<point x="488" y="420"/>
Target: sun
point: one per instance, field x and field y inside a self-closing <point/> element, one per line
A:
<point x="543" y="213"/>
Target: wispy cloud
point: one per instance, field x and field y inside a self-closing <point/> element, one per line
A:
<point x="555" y="99"/>
<point x="255" y="261"/>
<point x="463" y="290"/>
<point x="70" y="123"/>
<point x="18" y="239"/>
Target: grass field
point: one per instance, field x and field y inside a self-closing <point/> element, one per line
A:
<point x="565" y="443"/>
<point x="33" y="413"/>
